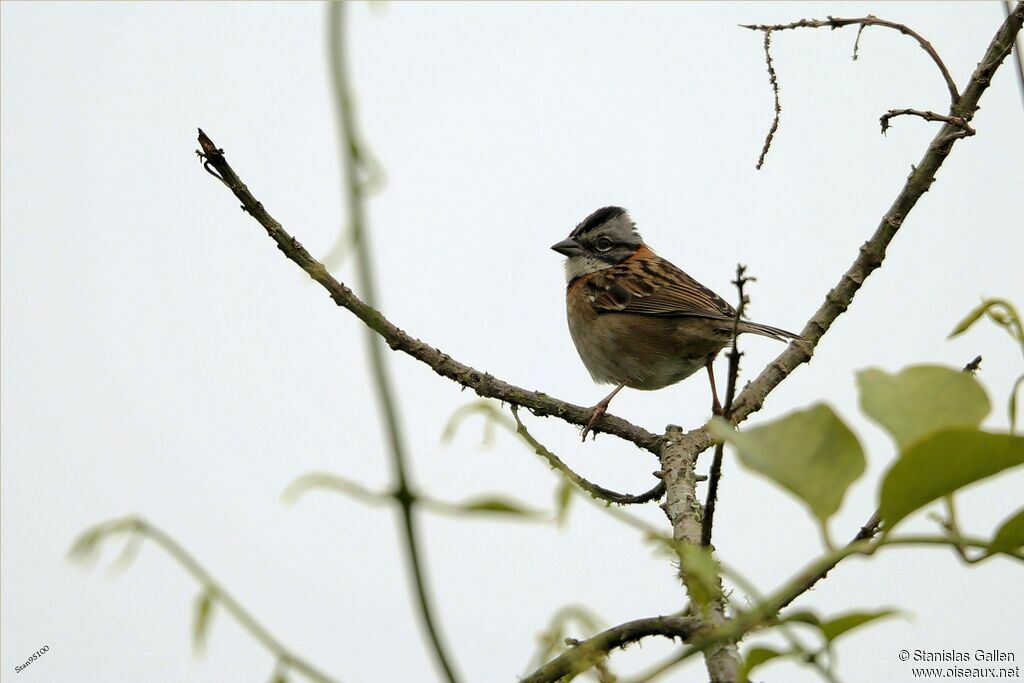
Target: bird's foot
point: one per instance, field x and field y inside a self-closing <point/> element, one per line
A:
<point x="716" y="408"/>
<point x="599" y="410"/>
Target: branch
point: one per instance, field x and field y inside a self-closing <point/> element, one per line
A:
<point x="775" y="92"/>
<point x="353" y="162"/>
<point x="482" y="383"/>
<point x="685" y="513"/>
<point x="585" y="654"/>
<point x="595" y="490"/>
<point x="86" y="544"/>
<point x="870" y="20"/>
<point x="957" y="121"/>
<point x="715" y="474"/>
<point x="807" y="581"/>
<point x="872" y="252"/>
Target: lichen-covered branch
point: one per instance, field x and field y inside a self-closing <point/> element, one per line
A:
<point x="686" y="515"/>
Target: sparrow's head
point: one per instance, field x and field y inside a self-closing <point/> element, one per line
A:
<point x="605" y="238"/>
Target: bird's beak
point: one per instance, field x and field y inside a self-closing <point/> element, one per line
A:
<point x="568" y="247"/>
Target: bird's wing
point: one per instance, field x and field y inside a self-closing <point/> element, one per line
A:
<point x="653" y="286"/>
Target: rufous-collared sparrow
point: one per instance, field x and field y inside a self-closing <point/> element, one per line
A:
<point x="637" y="320"/>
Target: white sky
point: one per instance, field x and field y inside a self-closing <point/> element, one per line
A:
<point x="161" y="357"/>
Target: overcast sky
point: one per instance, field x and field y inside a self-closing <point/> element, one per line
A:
<point x="160" y="357"/>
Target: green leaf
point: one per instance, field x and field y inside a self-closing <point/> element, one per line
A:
<point x="920" y="400"/>
<point x="563" y="497"/>
<point x="1011" y="534"/>
<point x="85" y="548"/>
<point x="971" y="318"/>
<point x="1011" y="408"/>
<point x="833" y="628"/>
<point x="201" y="622"/>
<point x="803" y="617"/>
<point x="940" y="464"/>
<point x="810" y="453"/>
<point x="332" y="482"/>
<point x="491" y="412"/>
<point x="700" y="572"/>
<point x="755" y="657"/>
<point x="498" y="505"/>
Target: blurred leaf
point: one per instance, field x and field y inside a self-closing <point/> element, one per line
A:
<point x="491" y="413"/>
<point x="487" y="505"/>
<point x="803" y="617"/>
<point x="1011" y="534"/>
<point x="942" y="463"/>
<point x="1007" y="318"/>
<point x="920" y="400"/>
<point x="563" y="497"/>
<point x="85" y="548"/>
<point x="833" y="628"/>
<point x="332" y="482"/>
<point x="755" y="657"/>
<point x="1012" y="405"/>
<point x="552" y="639"/>
<point x="201" y="622"/>
<point x="700" y="570"/>
<point x="810" y="453"/>
<point x="129" y="552"/>
<point x="971" y="318"/>
<point x="499" y="505"/>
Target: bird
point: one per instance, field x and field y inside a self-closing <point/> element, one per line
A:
<point x="636" y="319"/>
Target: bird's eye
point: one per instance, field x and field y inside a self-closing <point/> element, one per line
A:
<point x="603" y="244"/>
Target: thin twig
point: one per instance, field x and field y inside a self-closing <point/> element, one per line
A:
<point x="140" y="528"/>
<point x="585" y="654"/>
<point x="482" y="383"/>
<point x="775" y="93"/>
<point x="595" y="490"/>
<point x="403" y="494"/>
<point x="958" y="121"/>
<point x="872" y="252"/>
<point x="870" y="20"/>
<point x="715" y="474"/>
<point x="806" y="582"/>
<point x="856" y="43"/>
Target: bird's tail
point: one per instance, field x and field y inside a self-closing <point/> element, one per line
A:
<point x="768" y="331"/>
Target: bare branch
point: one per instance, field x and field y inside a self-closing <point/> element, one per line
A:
<point x="870" y="20"/>
<point x="484" y="384"/>
<point x="958" y="121"/>
<point x="593" y="489"/>
<point x="730" y="392"/>
<point x="585" y="654"/>
<point x="872" y="252"/>
<point x="775" y="92"/>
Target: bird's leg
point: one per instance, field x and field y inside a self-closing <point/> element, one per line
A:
<point x="716" y="407"/>
<point x="600" y="409"/>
